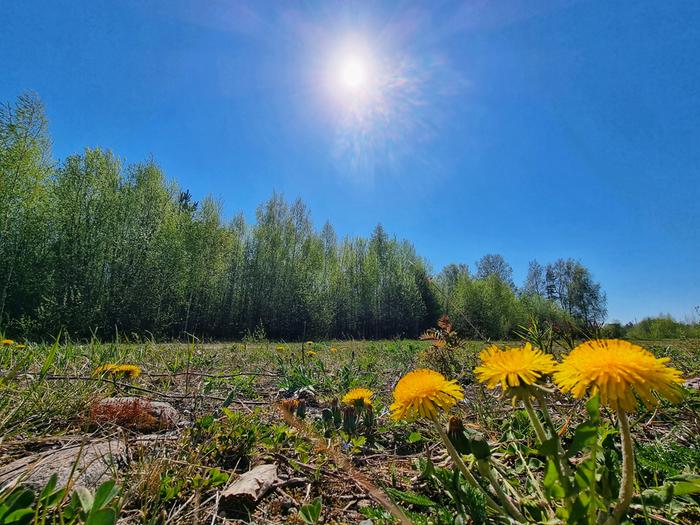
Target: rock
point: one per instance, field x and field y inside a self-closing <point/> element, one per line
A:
<point x="135" y="413"/>
<point x="693" y="382"/>
<point x="365" y="522"/>
<point x="94" y="463"/>
<point x="251" y="486"/>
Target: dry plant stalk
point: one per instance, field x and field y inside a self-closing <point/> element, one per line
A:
<point x="339" y="458"/>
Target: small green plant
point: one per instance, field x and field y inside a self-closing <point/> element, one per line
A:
<point x="311" y="512"/>
<point x="256" y="336"/>
<point x="97" y="509"/>
<point x="295" y="375"/>
<point x="21" y="506"/>
<point x="225" y="441"/>
<point x="454" y="492"/>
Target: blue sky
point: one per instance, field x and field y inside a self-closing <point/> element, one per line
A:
<point x="531" y="129"/>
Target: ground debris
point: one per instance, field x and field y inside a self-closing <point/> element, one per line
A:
<point x="251" y="486"/>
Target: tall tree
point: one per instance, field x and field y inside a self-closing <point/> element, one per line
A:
<point x="25" y="168"/>
<point x="447" y="281"/>
<point x="570" y="284"/>
<point x="495" y="264"/>
<point x="535" y="283"/>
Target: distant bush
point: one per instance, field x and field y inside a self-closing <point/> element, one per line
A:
<point x="613" y="330"/>
<point x="664" y="327"/>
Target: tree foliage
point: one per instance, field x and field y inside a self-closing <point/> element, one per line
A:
<point x="570" y="284"/>
<point x="494" y="264"/>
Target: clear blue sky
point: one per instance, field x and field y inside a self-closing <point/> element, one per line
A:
<point x="531" y="129"/>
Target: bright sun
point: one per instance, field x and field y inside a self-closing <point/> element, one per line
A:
<point x="352" y="73"/>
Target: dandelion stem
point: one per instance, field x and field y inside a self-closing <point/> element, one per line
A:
<point x="627" y="482"/>
<point x="536" y="423"/>
<point x="548" y="419"/>
<point x="487" y="472"/>
<point x="558" y="455"/>
<point x="463" y="468"/>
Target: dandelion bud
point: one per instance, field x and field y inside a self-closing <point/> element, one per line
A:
<point x="301" y="409"/>
<point x="335" y="409"/>
<point x="349" y="419"/>
<point x="368" y="417"/>
<point x="327" y="416"/>
<point x="455" y="431"/>
<point x="480" y="447"/>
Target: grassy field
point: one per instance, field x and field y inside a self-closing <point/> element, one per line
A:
<point x="227" y="420"/>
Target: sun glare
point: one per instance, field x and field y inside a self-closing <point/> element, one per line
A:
<point x="375" y="95"/>
<point x="352" y="73"/>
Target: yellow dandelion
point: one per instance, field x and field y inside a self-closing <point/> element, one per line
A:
<point x="104" y="369"/>
<point x="309" y="343"/>
<point x="334" y="349"/>
<point x="130" y="371"/>
<point x="358" y="396"/>
<point x="280" y="348"/>
<point x="310" y="353"/>
<point x="421" y="392"/>
<point x="513" y="367"/>
<point x="617" y="370"/>
<point x="7" y="342"/>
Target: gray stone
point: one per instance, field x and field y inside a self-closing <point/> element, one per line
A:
<point x="95" y="462"/>
<point x="693" y="382"/>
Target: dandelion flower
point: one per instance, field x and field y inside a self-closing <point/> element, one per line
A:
<point x="130" y="371"/>
<point x="617" y="370"/>
<point x="309" y="343"/>
<point x="358" y="396"/>
<point x="310" y="353"/>
<point x="7" y="342"/>
<point x="334" y="349"/>
<point x="513" y="367"/>
<point x="280" y="348"/>
<point x="103" y="369"/>
<point x="421" y="392"/>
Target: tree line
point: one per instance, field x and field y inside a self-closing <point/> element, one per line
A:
<point x="91" y="246"/>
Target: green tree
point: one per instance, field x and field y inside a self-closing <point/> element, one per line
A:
<point x="494" y="264"/>
<point x="25" y="169"/>
<point x="570" y="284"/>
